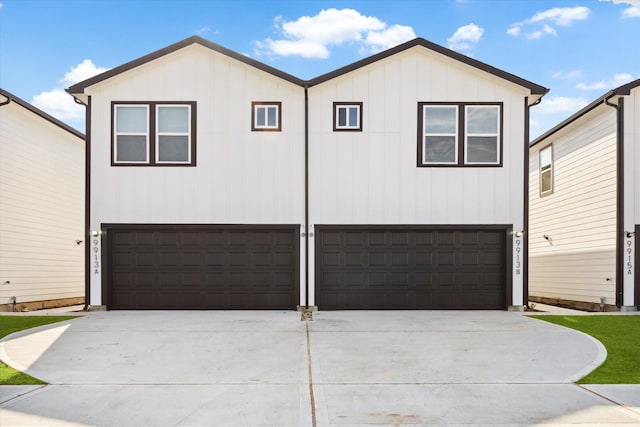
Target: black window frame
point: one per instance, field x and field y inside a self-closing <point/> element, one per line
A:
<point x="336" y="106"/>
<point x="152" y="134"/>
<point x="550" y="170"/>
<point x="254" y="105"/>
<point x="461" y="135"/>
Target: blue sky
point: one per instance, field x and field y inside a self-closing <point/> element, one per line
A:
<point x="578" y="49"/>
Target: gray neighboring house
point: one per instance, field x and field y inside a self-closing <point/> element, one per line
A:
<point x="41" y="208"/>
<point x="219" y="182"/>
<point x="584" y="219"/>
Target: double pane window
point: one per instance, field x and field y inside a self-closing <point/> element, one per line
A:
<point x="136" y="141"/>
<point x="459" y="135"/>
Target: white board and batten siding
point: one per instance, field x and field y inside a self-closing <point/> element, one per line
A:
<point x="371" y="177"/>
<point x="578" y="262"/>
<point x="41" y="208"/>
<point x="241" y="177"/>
<point x="631" y="191"/>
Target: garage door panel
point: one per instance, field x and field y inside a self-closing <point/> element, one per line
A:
<point x="203" y="267"/>
<point x="410" y="267"/>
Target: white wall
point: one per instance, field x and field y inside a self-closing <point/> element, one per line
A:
<point x="631" y="190"/>
<point x="580" y="215"/>
<point x="241" y="177"/>
<point x="371" y="177"/>
<point x="41" y="208"/>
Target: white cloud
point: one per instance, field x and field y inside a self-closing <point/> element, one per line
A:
<point x="569" y="75"/>
<point x="633" y="11"/>
<point x="465" y="37"/>
<point x="202" y="30"/>
<point x="312" y="36"/>
<point x="514" y="30"/>
<point x="561" y="16"/>
<point x="560" y="104"/>
<point x="60" y="104"/>
<point x="617" y="80"/>
<point x="546" y="30"/>
<point x="392" y="36"/>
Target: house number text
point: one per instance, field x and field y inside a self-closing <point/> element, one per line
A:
<point x="629" y="257"/>
<point x="518" y="250"/>
<point x="96" y="256"/>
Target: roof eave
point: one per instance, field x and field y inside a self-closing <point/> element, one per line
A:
<point x="79" y="88"/>
<point x="623" y="90"/>
<point x="533" y="88"/>
<point x="12" y="98"/>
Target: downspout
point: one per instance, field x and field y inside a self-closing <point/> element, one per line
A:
<point x="619" y="195"/>
<point x="87" y="202"/>
<point x="525" y="235"/>
<point x="306" y="196"/>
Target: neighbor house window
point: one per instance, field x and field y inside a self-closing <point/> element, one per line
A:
<point x="266" y="116"/>
<point x="154" y="133"/>
<point x="546" y="170"/>
<point x="459" y="134"/>
<point x="347" y="116"/>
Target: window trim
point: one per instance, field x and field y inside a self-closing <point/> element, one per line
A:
<point x="152" y="133"/>
<point x="158" y="135"/>
<point x="550" y="170"/>
<point x="347" y="105"/>
<point x="461" y="136"/>
<point x="254" y="117"/>
<point x="115" y="134"/>
<point x="468" y="134"/>
<point x="456" y="136"/>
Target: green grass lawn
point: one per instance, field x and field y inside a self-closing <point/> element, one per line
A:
<point x="619" y="334"/>
<point x="11" y="324"/>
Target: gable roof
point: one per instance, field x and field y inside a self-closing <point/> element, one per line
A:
<point x="619" y="91"/>
<point x="535" y="89"/>
<point x="12" y="98"/>
<point x="81" y="86"/>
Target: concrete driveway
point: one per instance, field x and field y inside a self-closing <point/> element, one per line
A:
<point x="343" y="368"/>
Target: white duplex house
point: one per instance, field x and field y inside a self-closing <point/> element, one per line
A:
<point x="42" y="233"/>
<point x="585" y="206"/>
<point x="396" y="182"/>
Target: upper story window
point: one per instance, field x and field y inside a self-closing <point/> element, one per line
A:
<point x="546" y="171"/>
<point x="153" y="133"/>
<point x="266" y="116"/>
<point x="459" y="134"/>
<point x="347" y="116"/>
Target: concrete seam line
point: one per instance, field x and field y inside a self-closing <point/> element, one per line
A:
<point x="313" y="401"/>
<point x="602" y="396"/>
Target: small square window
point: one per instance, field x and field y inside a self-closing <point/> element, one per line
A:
<point x="347" y="116"/>
<point x="266" y="116"/>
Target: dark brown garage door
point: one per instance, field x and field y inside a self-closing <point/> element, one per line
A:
<point x="202" y="267"/>
<point x="398" y="267"/>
